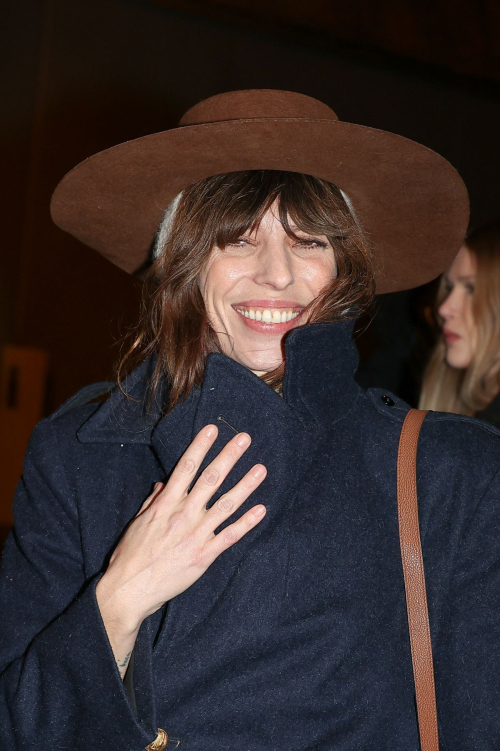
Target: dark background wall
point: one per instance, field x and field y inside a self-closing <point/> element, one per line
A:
<point x="458" y="35"/>
<point x="79" y="76"/>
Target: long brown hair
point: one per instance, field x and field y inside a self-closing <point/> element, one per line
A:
<point x="216" y="211"/>
<point x="469" y="390"/>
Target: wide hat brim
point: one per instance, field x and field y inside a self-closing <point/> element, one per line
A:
<point x="411" y="203"/>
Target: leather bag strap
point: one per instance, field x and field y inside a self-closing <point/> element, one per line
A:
<point x="413" y="569"/>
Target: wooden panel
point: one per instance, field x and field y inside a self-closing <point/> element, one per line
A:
<point x="22" y="393"/>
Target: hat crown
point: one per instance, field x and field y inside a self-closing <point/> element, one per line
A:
<point x="255" y="104"/>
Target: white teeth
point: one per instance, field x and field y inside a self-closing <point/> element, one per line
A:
<point x="268" y="316"/>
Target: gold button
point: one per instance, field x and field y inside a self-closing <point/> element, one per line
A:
<point x="159" y="743"/>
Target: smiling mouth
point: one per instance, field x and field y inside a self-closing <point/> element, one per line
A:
<point x="268" y="315"/>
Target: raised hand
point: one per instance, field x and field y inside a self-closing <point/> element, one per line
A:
<point x="172" y="541"/>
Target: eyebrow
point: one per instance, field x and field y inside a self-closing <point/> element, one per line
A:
<point x="470" y="278"/>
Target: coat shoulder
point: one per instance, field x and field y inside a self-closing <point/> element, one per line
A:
<point x="90" y="393"/>
<point x="447" y="439"/>
<point x="460" y="440"/>
<point x="442" y="425"/>
<point x="108" y="412"/>
<point x="395" y="409"/>
<point x="56" y="434"/>
<point x="81" y="406"/>
<point x="388" y="405"/>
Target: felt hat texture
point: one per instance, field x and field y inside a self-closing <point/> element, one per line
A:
<point x="410" y="202"/>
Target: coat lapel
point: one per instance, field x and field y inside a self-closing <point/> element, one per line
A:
<point x="318" y="392"/>
<point x="284" y="434"/>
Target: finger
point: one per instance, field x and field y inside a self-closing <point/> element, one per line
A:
<point x="157" y="488"/>
<point x="190" y="462"/>
<point x="234" y="498"/>
<point x="234" y="532"/>
<point x="214" y="475"/>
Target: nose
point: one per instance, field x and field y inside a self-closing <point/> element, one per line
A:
<point x="450" y="305"/>
<point x="274" y="265"/>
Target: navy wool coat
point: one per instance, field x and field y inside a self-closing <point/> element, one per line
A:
<point x="296" y="638"/>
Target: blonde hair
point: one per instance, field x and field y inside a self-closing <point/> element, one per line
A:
<point x="469" y="390"/>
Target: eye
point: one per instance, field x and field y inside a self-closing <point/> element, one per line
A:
<point x="470" y="288"/>
<point x="448" y="286"/>
<point x="241" y="242"/>
<point x="311" y="242"/>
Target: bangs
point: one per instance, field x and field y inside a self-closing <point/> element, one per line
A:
<point x="237" y="202"/>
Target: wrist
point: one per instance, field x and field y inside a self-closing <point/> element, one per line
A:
<point x="122" y="622"/>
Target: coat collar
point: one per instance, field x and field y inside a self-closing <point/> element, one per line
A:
<point x="319" y="394"/>
<point x="321" y="360"/>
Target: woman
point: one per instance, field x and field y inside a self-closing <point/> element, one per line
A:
<point x="463" y="374"/>
<point x="228" y="517"/>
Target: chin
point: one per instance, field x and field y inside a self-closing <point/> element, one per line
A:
<point x="459" y="354"/>
<point x="264" y="368"/>
<point x="459" y="363"/>
<point x="261" y="368"/>
<point x="261" y="362"/>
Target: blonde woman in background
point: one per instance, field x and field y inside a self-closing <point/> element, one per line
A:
<point x="463" y="374"/>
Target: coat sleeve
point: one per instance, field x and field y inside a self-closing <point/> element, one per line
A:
<point x="467" y="662"/>
<point x="59" y="685"/>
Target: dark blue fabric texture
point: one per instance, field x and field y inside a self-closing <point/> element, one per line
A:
<point x="296" y="639"/>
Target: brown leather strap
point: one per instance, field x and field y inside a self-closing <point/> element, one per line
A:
<point x="413" y="568"/>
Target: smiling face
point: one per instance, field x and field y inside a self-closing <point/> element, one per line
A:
<point x="255" y="289"/>
<point x="459" y="328"/>
<point x="238" y="250"/>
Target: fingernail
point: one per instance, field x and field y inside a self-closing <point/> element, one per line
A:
<point x="211" y="431"/>
<point x="258" y="470"/>
<point x="259" y="511"/>
<point x="243" y="439"/>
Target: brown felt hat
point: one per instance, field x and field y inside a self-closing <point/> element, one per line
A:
<point x="411" y="203"/>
